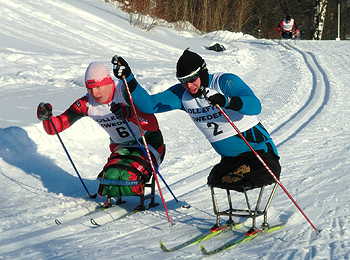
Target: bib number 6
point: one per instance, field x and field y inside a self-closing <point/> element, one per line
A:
<point x="121" y="132"/>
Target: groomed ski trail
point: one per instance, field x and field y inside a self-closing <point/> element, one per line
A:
<point x="318" y="98"/>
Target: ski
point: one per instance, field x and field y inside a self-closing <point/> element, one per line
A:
<point x="127" y="213"/>
<point x="110" y="213"/>
<point x="201" y="237"/>
<point x="240" y="240"/>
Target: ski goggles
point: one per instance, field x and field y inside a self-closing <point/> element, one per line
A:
<point x="189" y="78"/>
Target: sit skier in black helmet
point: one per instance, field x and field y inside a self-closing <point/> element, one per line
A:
<point x="197" y="94"/>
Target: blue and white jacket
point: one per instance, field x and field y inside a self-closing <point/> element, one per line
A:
<point x="209" y="119"/>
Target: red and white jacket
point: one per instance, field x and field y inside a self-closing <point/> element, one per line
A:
<point x="119" y="133"/>
<point x="287" y="27"/>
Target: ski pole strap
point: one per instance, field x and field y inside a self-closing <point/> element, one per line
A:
<point x="116" y="182"/>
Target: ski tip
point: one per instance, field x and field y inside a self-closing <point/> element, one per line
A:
<point x="203" y="250"/>
<point x="93" y="222"/>
<point x="162" y="246"/>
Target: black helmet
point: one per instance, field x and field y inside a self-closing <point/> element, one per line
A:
<point x="189" y="63"/>
<point x="192" y="65"/>
<point x="288" y="18"/>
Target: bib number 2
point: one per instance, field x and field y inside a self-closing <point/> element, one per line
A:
<point x="216" y="128"/>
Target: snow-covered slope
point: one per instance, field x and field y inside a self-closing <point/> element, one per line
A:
<point x="45" y="47"/>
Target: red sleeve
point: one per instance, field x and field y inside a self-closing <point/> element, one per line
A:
<point x="295" y="25"/>
<point x="76" y="111"/>
<point x="280" y="26"/>
<point x="148" y="122"/>
<point x="295" y="28"/>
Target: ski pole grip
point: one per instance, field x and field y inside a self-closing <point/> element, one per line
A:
<point x="123" y="76"/>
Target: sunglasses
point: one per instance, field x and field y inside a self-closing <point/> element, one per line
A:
<point x="190" y="78"/>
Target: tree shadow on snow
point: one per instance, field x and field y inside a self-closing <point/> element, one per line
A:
<point x="17" y="149"/>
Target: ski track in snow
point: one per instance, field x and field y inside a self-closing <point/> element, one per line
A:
<point x="317" y="100"/>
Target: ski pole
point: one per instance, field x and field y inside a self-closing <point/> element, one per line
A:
<point x="267" y="168"/>
<point x="146" y="147"/>
<point x="143" y="150"/>
<point x="71" y="161"/>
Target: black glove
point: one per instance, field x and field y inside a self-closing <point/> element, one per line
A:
<point x="120" y="111"/>
<point x="219" y="99"/>
<point x="120" y="67"/>
<point x="44" y="111"/>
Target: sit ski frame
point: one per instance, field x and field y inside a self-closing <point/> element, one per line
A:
<point x="142" y="196"/>
<point x="247" y="213"/>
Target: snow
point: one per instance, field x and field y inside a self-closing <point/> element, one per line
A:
<point x="45" y="48"/>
